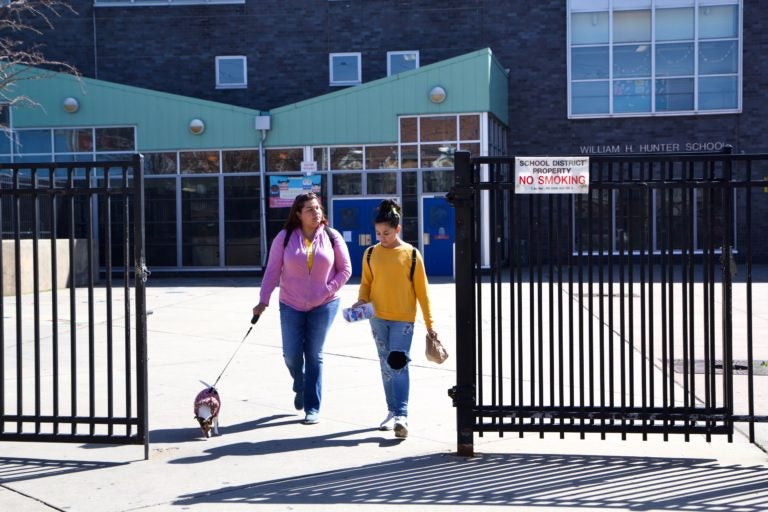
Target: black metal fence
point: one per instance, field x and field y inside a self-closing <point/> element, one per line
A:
<point x="73" y="334"/>
<point x="627" y="309"/>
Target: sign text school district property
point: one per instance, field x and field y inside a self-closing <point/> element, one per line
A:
<point x="551" y="175"/>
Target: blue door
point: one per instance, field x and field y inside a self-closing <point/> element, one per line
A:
<point x="439" y="236"/>
<point x="353" y="218"/>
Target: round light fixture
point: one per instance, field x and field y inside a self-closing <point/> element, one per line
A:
<point x="196" y="126"/>
<point x="71" y="105"/>
<point x="437" y="94"/>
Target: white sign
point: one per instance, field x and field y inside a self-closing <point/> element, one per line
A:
<point x="551" y="175"/>
<point x="308" y="167"/>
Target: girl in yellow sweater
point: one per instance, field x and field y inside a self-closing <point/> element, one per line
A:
<point x="393" y="279"/>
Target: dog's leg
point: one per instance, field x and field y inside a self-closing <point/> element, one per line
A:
<point x="204" y="418"/>
<point x="216" y="425"/>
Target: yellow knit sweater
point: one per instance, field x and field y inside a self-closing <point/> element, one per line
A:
<point x="386" y="284"/>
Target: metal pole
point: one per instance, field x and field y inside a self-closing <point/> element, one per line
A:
<point x="141" y="274"/>
<point x="729" y="271"/>
<point x="262" y="198"/>
<point x="463" y="394"/>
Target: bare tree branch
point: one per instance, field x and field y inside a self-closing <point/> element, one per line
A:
<point x="19" y="59"/>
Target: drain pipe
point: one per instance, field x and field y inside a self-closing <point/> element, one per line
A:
<point x="262" y="124"/>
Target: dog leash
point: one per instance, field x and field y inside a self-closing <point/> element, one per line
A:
<point x="253" y="322"/>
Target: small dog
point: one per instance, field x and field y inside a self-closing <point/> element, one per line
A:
<point x="207" y="406"/>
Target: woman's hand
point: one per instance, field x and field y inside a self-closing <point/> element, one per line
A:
<point x="432" y="333"/>
<point x="358" y="303"/>
<point x="259" y="309"/>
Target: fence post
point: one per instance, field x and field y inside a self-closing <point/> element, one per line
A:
<point x="141" y="274"/>
<point x="462" y="197"/>
<point x="728" y="265"/>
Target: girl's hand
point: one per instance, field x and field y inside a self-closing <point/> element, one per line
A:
<point x="259" y="309"/>
<point x="432" y="333"/>
<point x="358" y="303"/>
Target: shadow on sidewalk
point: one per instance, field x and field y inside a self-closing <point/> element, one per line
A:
<point x="537" y="480"/>
<point x="17" y="469"/>
<point x="273" y="446"/>
<point x="180" y="435"/>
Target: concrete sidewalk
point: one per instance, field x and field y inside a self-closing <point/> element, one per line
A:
<point x="266" y="459"/>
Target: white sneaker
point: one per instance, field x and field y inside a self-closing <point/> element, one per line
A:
<point x="389" y="422"/>
<point x="401" y="427"/>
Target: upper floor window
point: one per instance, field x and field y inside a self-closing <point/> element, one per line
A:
<point x="397" y="62"/>
<point x="231" y="72"/>
<point x="345" y="68"/>
<point x="648" y="57"/>
<point x="140" y="3"/>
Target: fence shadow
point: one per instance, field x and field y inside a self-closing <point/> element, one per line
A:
<point x="17" y="469"/>
<point x="530" y="480"/>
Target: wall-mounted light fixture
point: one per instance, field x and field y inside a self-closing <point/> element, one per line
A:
<point x="196" y="126"/>
<point x="437" y="94"/>
<point x="71" y="105"/>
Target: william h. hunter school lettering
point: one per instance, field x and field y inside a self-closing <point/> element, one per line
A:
<point x="656" y="147"/>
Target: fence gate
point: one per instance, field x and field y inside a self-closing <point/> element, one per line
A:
<point x="624" y="310"/>
<point x="73" y="338"/>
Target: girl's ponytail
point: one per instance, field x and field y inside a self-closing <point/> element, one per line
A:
<point x="389" y="213"/>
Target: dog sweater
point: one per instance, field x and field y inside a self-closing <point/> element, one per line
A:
<point x="209" y="397"/>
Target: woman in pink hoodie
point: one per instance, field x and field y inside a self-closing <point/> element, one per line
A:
<point x="310" y="262"/>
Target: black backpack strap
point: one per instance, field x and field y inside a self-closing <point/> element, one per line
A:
<point x="368" y="258"/>
<point x="330" y="235"/>
<point x="287" y="238"/>
<point x="413" y="262"/>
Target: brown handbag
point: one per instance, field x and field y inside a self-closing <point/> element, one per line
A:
<point x="435" y="350"/>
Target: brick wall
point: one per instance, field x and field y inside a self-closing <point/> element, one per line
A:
<point x="287" y="43"/>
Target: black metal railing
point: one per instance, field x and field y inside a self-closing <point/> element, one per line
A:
<point x="612" y="310"/>
<point x="73" y="364"/>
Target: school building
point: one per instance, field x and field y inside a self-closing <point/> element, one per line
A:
<point x="239" y="105"/>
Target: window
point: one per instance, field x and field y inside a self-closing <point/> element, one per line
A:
<point x="345" y="68"/>
<point x="241" y="229"/>
<point x="67" y="144"/>
<point x="284" y="159"/>
<point x="139" y="3"/>
<point x="381" y="157"/>
<point x="202" y="208"/>
<point x="241" y="161"/>
<point x="160" y="163"/>
<point x="161" y="235"/>
<point x="199" y="162"/>
<point x="397" y="62"/>
<point x="200" y="222"/>
<point x="115" y="139"/>
<point x="644" y="57"/>
<point x="347" y="158"/>
<point x="231" y="72"/>
<point x="429" y="142"/>
<point x="615" y="221"/>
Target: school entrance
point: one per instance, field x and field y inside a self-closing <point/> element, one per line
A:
<point x="624" y="310"/>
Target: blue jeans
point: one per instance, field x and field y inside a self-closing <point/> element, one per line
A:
<point x="303" y="339"/>
<point x="393" y="342"/>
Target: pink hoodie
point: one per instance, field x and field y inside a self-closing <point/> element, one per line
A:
<point x="299" y="288"/>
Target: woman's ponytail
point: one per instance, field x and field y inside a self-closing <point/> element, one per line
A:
<point x="389" y="213"/>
